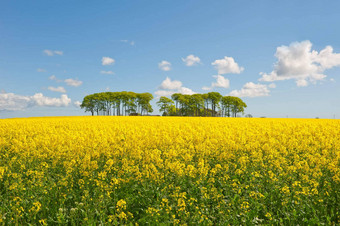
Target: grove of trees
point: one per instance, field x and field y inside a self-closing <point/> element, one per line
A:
<point x="130" y="103"/>
<point x="117" y="103"/>
<point x="207" y="104"/>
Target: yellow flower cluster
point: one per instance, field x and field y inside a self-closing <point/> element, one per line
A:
<point x="175" y="170"/>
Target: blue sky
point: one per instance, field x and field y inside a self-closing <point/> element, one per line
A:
<point x="281" y="57"/>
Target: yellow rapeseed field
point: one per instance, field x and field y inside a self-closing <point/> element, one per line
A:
<point x="174" y="170"/>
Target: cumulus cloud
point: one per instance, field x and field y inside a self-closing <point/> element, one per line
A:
<point x="15" y="102"/>
<point x="299" y="62"/>
<point x="168" y="84"/>
<point x="40" y="100"/>
<point x="221" y="82"/>
<point x="169" y="87"/>
<point x="41" y="70"/>
<point x="77" y="103"/>
<point x="191" y="60"/>
<point x="59" y="89"/>
<point x="73" y="82"/>
<point x="272" y="85"/>
<point x="107" y="61"/>
<point x="107" y="72"/>
<point x="227" y="65"/>
<point x="182" y="90"/>
<point x="164" y="92"/>
<point x="301" y="82"/>
<point x="53" y="52"/>
<point x="164" y="65"/>
<point x="185" y="90"/>
<point x="251" y="89"/>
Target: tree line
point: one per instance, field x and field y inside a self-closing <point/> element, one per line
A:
<point x="117" y="103"/>
<point x="207" y="104"/>
<point x="130" y="103"/>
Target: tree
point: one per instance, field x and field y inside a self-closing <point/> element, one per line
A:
<point x="166" y="105"/>
<point x="176" y="97"/>
<point x="197" y="102"/>
<point x="227" y="103"/>
<point x="206" y="99"/>
<point x="215" y="99"/>
<point x="145" y="99"/>
<point x="89" y="104"/>
<point x="232" y="105"/>
<point x="117" y="103"/>
<point x="184" y="101"/>
<point x="127" y="103"/>
<point x="238" y="106"/>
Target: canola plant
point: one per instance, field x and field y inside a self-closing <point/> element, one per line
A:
<point x="170" y="170"/>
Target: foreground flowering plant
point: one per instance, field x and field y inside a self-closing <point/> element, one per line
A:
<point x="121" y="170"/>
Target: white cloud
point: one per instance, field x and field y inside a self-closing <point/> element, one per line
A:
<point x="164" y="65"/>
<point x="302" y="82"/>
<point x="107" y="72"/>
<point x="40" y="100"/>
<point x="332" y="80"/>
<point x="59" y="89"/>
<point x="52" y="77"/>
<point x="251" y="89"/>
<point x="14" y="102"/>
<point x="185" y="90"/>
<point x="107" y="61"/>
<point x="41" y="70"/>
<point x="73" y="82"/>
<point x="299" y="62"/>
<point x="272" y="85"/>
<point x="227" y="65"/>
<point x="182" y="90"/>
<point x="221" y="82"/>
<point x="168" y="87"/>
<point x="191" y="60"/>
<point x="77" y="103"/>
<point x="52" y="52"/>
<point x="168" y="84"/>
<point x="164" y="92"/>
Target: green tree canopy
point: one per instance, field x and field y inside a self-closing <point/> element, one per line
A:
<point x="166" y="105"/>
<point x="117" y="103"/>
<point x="127" y="103"/>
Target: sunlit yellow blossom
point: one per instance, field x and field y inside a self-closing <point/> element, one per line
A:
<point x="169" y="170"/>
